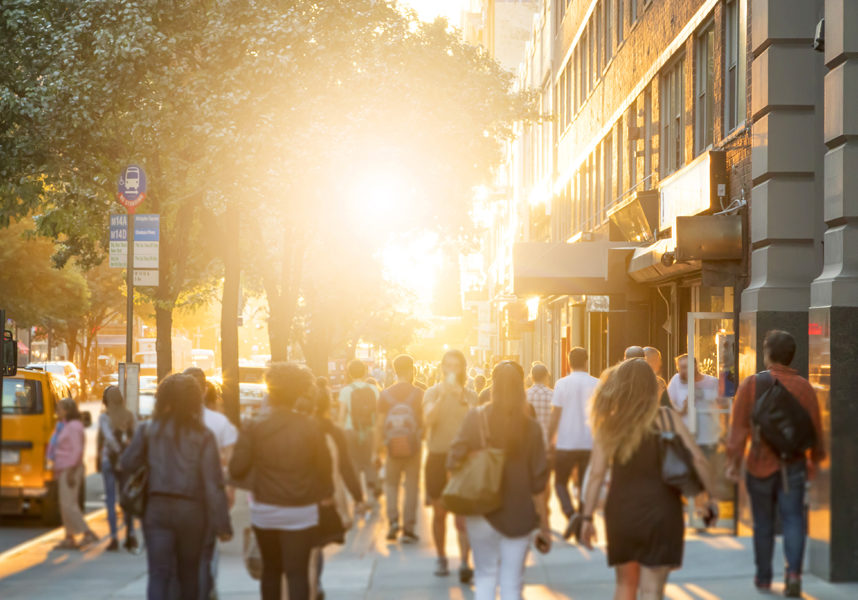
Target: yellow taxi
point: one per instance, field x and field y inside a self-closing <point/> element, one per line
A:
<point x="29" y="417"/>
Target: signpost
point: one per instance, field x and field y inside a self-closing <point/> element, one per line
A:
<point x="131" y="193"/>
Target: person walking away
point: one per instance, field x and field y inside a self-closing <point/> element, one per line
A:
<point x="225" y="435"/>
<point x="634" y="352"/>
<point x="344" y="478"/>
<point x="570" y="432"/>
<point x="185" y="490"/>
<point x="501" y="538"/>
<point x="400" y="423"/>
<point x="67" y="448"/>
<point x="445" y="406"/>
<point x="643" y="515"/>
<point x="653" y="358"/>
<point x="116" y="426"/>
<point x="775" y="484"/>
<point x="539" y="397"/>
<point x="292" y="476"/>
<point x="705" y="400"/>
<point x="358" y="410"/>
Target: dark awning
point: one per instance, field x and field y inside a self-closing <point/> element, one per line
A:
<point x="582" y="268"/>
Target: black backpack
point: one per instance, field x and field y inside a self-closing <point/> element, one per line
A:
<point x="780" y="420"/>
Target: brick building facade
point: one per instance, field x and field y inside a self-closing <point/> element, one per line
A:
<point x="698" y="154"/>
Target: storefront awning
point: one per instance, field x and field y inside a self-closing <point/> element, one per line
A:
<point x="647" y="265"/>
<point x="582" y="268"/>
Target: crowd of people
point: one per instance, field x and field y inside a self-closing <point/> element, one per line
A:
<point x="312" y="465"/>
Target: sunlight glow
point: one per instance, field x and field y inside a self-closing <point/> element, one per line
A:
<point x="428" y="10"/>
<point x="414" y="263"/>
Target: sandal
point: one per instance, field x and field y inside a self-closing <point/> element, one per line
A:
<point x="88" y="538"/>
<point x="67" y="544"/>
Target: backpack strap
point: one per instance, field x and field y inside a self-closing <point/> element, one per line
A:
<point x="763" y="382"/>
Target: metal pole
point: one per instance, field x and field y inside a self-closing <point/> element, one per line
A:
<point x="129" y="291"/>
<point x="2" y="370"/>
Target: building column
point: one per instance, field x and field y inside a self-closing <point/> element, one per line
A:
<point x="833" y="546"/>
<point x="785" y="213"/>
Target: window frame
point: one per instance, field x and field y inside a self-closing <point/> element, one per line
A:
<point x="735" y="86"/>
<point x="672" y="113"/>
<point x="704" y="87"/>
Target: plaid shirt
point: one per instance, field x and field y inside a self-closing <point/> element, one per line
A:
<point x="539" y="396"/>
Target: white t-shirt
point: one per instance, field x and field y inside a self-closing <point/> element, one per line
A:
<point x="706" y="405"/>
<point x="285" y="518"/>
<point x="572" y="393"/>
<point x="224" y="431"/>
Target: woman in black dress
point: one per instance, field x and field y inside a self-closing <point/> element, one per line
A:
<point x="643" y="515"/>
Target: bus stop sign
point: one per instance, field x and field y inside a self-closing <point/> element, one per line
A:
<point x="132" y="187"/>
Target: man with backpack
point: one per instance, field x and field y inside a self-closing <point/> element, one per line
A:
<point x="400" y="423"/>
<point x="358" y="409"/>
<point x="778" y="410"/>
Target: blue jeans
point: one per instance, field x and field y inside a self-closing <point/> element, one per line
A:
<point x="176" y="533"/>
<point x="766" y="496"/>
<point x="111" y="480"/>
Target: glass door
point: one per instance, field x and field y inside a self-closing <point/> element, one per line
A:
<point x="711" y="379"/>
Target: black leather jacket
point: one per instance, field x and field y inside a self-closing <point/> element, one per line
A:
<point x="286" y="457"/>
<point x="187" y="466"/>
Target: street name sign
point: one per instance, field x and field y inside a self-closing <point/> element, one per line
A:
<point x="147" y="234"/>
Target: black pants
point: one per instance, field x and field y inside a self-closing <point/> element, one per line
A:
<point x="175" y="532"/>
<point x="285" y="552"/>
<point x="565" y="462"/>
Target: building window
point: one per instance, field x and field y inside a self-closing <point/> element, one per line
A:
<point x="734" y="67"/>
<point x="608" y="182"/>
<point x="600" y="38"/>
<point x="633" y="11"/>
<point x="672" y="111"/>
<point x="621" y="9"/>
<point x="585" y="67"/>
<point x="704" y="81"/>
<point x="569" y="88"/>
<point x="609" y="22"/>
<point x="633" y="144"/>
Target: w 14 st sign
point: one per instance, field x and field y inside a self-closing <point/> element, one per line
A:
<point x="147" y="233"/>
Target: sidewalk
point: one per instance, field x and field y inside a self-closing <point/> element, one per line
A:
<point x="368" y="568"/>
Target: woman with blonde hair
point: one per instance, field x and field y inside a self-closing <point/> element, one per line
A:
<point x="643" y="515"/>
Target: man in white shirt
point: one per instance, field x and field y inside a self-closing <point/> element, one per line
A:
<point x="705" y="401"/>
<point x="570" y="421"/>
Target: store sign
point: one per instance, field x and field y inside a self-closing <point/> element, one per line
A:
<point x="696" y="188"/>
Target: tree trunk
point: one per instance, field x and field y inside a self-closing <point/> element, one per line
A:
<point x="281" y="291"/>
<point x="164" y="339"/>
<point x="317" y="347"/>
<point x="229" y="314"/>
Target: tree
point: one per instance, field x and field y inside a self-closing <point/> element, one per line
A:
<point x="32" y="290"/>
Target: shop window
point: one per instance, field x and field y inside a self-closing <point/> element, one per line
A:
<point x="621" y="9"/>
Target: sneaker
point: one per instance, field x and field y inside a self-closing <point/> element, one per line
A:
<point x="792" y="586"/>
<point x="131" y="543"/>
<point x="573" y="528"/>
<point x="393" y="532"/>
<point x="762" y="586"/>
<point x="443" y="569"/>
<point x="409" y="537"/>
<point x="466" y="575"/>
<point x="113" y="546"/>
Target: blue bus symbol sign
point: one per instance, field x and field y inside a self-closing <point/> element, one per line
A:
<point x="132" y="186"/>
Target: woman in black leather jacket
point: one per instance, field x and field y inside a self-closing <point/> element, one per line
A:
<point x="291" y="476"/>
<point x="185" y="497"/>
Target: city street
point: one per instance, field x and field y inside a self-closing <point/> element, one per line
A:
<point x="369" y="568"/>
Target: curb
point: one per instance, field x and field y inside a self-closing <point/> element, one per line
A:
<point x="53" y="534"/>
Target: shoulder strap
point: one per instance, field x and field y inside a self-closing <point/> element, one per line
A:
<point x="767" y="380"/>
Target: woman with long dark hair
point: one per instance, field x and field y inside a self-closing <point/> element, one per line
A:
<point x="185" y="495"/>
<point x="116" y="426"/>
<point x="643" y="515"/>
<point x="500" y="540"/>
<point x="291" y="467"/>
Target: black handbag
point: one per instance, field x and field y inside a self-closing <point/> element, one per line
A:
<point x="134" y="491"/>
<point x="677" y="463"/>
<point x="330" y="529"/>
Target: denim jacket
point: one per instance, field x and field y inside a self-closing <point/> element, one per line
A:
<point x="187" y="466"/>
